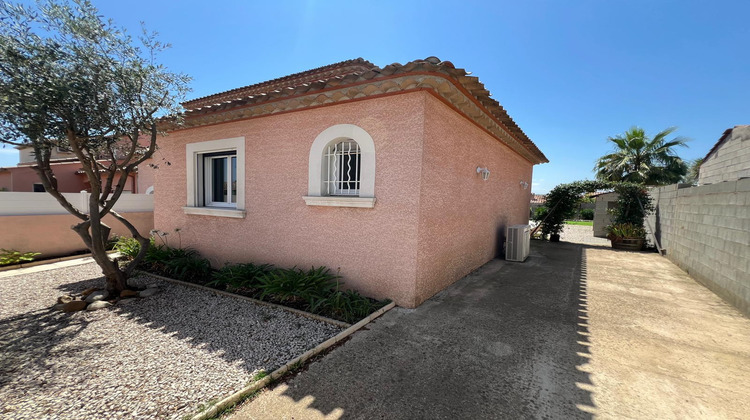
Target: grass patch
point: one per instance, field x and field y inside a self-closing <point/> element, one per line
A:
<point x="580" y="222"/>
<point x="260" y="375"/>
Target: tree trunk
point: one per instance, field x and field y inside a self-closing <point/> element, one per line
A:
<point x="117" y="281"/>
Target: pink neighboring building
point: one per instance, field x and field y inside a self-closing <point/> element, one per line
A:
<point x="403" y="178"/>
<point x="67" y="170"/>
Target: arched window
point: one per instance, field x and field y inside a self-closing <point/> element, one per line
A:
<point x="342" y="168"/>
<point x="342" y="172"/>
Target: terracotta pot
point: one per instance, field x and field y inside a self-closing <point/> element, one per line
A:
<point x="629" y="244"/>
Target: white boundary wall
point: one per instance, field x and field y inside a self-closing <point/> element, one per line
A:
<point x="36" y="222"/>
<point x="28" y="203"/>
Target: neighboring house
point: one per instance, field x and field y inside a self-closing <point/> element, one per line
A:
<point x="402" y="179"/>
<point x="70" y="177"/>
<point x="537" y="200"/>
<point x="729" y="159"/>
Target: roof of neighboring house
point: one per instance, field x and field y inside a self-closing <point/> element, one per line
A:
<point x="726" y="135"/>
<point x="358" y="78"/>
<point x="598" y="193"/>
<point x="538" y="198"/>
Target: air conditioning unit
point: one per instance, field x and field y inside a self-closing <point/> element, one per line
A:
<point x="518" y="240"/>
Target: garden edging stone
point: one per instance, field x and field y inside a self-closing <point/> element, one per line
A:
<point x="249" y="299"/>
<point x="239" y="395"/>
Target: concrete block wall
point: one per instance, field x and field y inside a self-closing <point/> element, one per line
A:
<point x="705" y="230"/>
<point x="730" y="161"/>
<point x="602" y="216"/>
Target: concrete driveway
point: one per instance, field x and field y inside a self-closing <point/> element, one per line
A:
<point x="574" y="332"/>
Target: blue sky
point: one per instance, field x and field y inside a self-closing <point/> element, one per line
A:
<point x="570" y="73"/>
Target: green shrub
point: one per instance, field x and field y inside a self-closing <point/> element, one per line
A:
<point x="587" y="214"/>
<point x="619" y="231"/>
<point x="180" y="263"/>
<point x="237" y="276"/>
<point x="564" y="201"/>
<point x="128" y="247"/>
<point x="297" y="285"/>
<point x="348" y="306"/>
<point x="628" y="209"/>
<point x="189" y="267"/>
<point x="315" y="290"/>
<point x="540" y="213"/>
<point x="11" y="256"/>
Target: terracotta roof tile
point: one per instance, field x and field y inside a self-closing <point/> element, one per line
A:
<point x="286" y="82"/>
<point x="356" y="71"/>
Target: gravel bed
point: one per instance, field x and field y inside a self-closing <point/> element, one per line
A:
<point x="582" y="235"/>
<point x="160" y="356"/>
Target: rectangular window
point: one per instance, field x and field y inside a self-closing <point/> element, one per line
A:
<point x="216" y="178"/>
<point x="343" y="162"/>
<point x="219" y="179"/>
<point x="39" y="188"/>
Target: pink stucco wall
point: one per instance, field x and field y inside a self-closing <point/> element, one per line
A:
<point x="462" y="219"/>
<point x="23" y="178"/>
<point x="5" y="181"/>
<point x="146" y="176"/>
<point x="51" y="234"/>
<point x="434" y="220"/>
<point x="374" y="249"/>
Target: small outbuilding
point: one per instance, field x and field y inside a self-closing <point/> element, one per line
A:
<point x="403" y="178"/>
<point x="729" y="159"/>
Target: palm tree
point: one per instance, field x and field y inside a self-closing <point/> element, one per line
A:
<point x="694" y="167"/>
<point x="642" y="160"/>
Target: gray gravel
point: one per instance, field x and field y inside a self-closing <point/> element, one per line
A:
<point x="582" y="235"/>
<point x="160" y="356"/>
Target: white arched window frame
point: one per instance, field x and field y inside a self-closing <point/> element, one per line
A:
<point x="317" y="188"/>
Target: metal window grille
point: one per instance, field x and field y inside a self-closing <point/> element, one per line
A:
<point x="343" y="168"/>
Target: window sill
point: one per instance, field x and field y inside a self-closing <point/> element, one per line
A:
<point x="215" y="211"/>
<point x="362" y="202"/>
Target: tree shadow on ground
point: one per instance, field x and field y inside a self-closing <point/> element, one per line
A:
<point x="233" y="329"/>
<point x="39" y="348"/>
<point x="29" y="340"/>
<point x="510" y="340"/>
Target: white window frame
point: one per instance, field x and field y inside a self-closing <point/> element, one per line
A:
<point x="317" y="164"/>
<point x="196" y="177"/>
<point x="208" y="192"/>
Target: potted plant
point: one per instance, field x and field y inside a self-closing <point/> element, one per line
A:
<point x="626" y="236"/>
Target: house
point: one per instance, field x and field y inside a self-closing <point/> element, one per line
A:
<point x="402" y="179"/>
<point x="729" y="159"/>
<point x="536" y="201"/>
<point x="70" y="177"/>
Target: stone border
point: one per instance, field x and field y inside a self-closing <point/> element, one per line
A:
<point x="48" y="261"/>
<point x="239" y="395"/>
<point x="42" y="262"/>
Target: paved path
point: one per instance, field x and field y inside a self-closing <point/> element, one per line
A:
<point x="573" y="332"/>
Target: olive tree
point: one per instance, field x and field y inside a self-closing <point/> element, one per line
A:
<point x="73" y="80"/>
